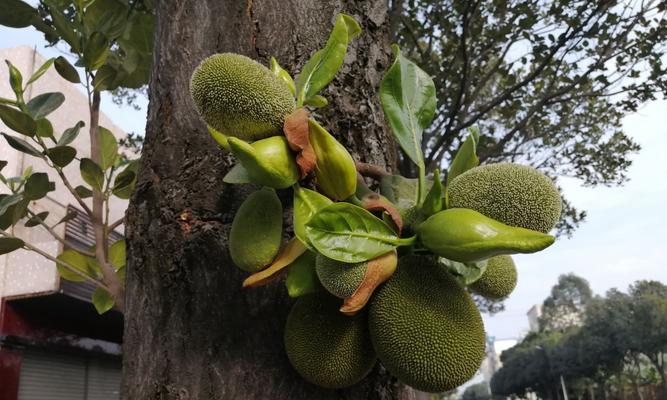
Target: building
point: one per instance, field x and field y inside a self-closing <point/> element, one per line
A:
<point x="53" y="344"/>
<point x="494" y="348"/>
<point x="534" y="315"/>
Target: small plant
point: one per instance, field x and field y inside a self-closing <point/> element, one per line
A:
<point x="378" y="275"/>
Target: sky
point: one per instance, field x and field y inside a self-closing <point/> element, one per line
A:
<point x="623" y="239"/>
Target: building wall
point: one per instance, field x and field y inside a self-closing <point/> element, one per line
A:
<point x="22" y="272"/>
<point x="534" y="315"/>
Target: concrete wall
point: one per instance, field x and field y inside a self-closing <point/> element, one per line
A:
<point x="23" y="272"/>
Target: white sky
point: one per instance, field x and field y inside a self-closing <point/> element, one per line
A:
<point x="624" y="238"/>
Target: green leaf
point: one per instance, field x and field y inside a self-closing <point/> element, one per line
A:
<point x="92" y="173"/>
<point x="76" y="260"/>
<point x="237" y="175"/>
<point x="138" y="34"/>
<point x="22" y="146"/>
<point x="301" y="276"/>
<point x="15" y="79"/>
<point x="108" y="147"/>
<point x="83" y="192"/>
<point x="106" y="16"/>
<point x="40" y="71"/>
<point x="408" y="99"/>
<point x="70" y="134"/>
<point x="9" y="200"/>
<point x="65" y="29"/>
<point x="68" y="217"/>
<point x="66" y="70"/>
<point x="401" y="191"/>
<point x="316" y="101"/>
<point x="466" y="273"/>
<point x="17" y="14"/>
<point x="433" y="202"/>
<point x="117" y="254"/>
<point x="44" y="104"/>
<point x="9" y="244"/>
<point x="37" y="219"/>
<point x="306" y="204"/>
<point x="347" y="233"/>
<point x="3" y="164"/>
<point x="282" y="75"/>
<point x="18" y="120"/>
<point x="61" y="155"/>
<point x="96" y="51"/>
<point x="466" y="156"/>
<point x="325" y="63"/>
<point x="124" y="184"/>
<point x="105" y="77"/>
<point x="37" y="186"/>
<point x="102" y="300"/>
<point x="13" y="213"/>
<point x="44" y="128"/>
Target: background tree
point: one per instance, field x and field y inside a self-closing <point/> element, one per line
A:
<point x="566" y="304"/>
<point x="546" y="82"/>
<point x="184" y="297"/>
<point x="478" y="391"/>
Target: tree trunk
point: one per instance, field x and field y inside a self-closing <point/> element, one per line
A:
<point x="191" y="331"/>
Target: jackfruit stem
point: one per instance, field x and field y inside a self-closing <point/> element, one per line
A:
<point x="405" y="241"/>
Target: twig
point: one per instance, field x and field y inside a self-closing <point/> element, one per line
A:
<point x="58" y="237"/>
<point x="371" y="170"/>
<point x="116" y="224"/>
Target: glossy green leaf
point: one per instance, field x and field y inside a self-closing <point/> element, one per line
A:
<point x="65" y="29"/>
<point x="17" y="14"/>
<point x="283" y="75"/>
<point x="138" y="35"/>
<point x="68" y="217"/>
<point x="83" y="192"/>
<point x="70" y="134"/>
<point x="92" y="173"/>
<point x="3" y="164"/>
<point x="66" y="70"/>
<point x="105" y="78"/>
<point x="44" y="104"/>
<point x="123" y="185"/>
<point x="37" y="219"/>
<point x="408" y="99"/>
<point x="22" y="146"/>
<point x="8" y="200"/>
<point x="301" y="276"/>
<point x="37" y="186"/>
<point x="94" y="266"/>
<point x="117" y="254"/>
<point x="9" y="244"/>
<point x="347" y="233"/>
<point x="433" y="202"/>
<point x="96" y="51"/>
<point x="18" y="120"/>
<point x="306" y="204"/>
<point x="325" y="63"/>
<point x="102" y="300"/>
<point x="75" y="260"/>
<point x="316" y="101"/>
<point x="61" y="155"/>
<point x="13" y="213"/>
<point x="108" y="147"/>
<point x="237" y="175"/>
<point x="40" y="71"/>
<point x="15" y="79"/>
<point x="44" y="128"/>
<point x="466" y="156"/>
<point x="466" y="273"/>
<point x="106" y="16"/>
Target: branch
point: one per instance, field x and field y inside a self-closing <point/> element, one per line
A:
<point x="371" y="170"/>
<point x="120" y="221"/>
<point x="58" y="237"/>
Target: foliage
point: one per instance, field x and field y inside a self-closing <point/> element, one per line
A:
<point x="547" y="82"/>
<point x="568" y="300"/>
<point x="478" y="391"/>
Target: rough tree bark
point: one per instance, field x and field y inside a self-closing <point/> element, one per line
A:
<point x="191" y="331"/>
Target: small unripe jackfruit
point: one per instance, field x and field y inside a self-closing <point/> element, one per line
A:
<point x="339" y="278"/>
<point x="425" y="327"/>
<point x="514" y="194"/>
<point x="256" y="233"/>
<point x="268" y="162"/>
<point x="239" y="97"/>
<point x="326" y="347"/>
<point x="498" y="280"/>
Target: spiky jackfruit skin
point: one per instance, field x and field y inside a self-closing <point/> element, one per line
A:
<point x="498" y="280"/>
<point x="339" y="278"/>
<point x="425" y="327"/>
<point x="240" y="97"/>
<point x="514" y="194"/>
<point x="326" y="347"/>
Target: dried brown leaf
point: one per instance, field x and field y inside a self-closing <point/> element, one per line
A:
<point x="378" y="271"/>
<point x="297" y="134"/>
<point x="375" y="202"/>
<point x="290" y="253"/>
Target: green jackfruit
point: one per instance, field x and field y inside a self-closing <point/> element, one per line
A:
<point x="256" y="233"/>
<point x="514" y="194"/>
<point x="339" y="278"/>
<point x="425" y="327"/>
<point x="326" y="347"/>
<point x="240" y="97"/>
<point x="498" y="280"/>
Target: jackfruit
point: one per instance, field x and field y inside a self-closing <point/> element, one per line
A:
<point x="498" y="280"/>
<point x="339" y="278"/>
<point x="514" y="194"/>
<point x="326" y="347"/>
<point x="425" y="327"/>
<point x="256" y="233"/>
<point x="239" y="97"/>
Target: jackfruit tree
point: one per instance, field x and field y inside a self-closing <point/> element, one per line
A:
<point x="286" y="129"/>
